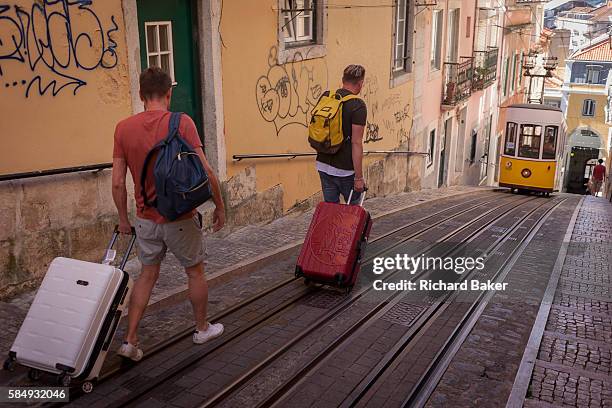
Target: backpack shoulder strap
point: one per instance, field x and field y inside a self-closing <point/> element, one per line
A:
<point x="143" y="173"/>
<point x="348" y="98"/>
<point x="173" y="125"/>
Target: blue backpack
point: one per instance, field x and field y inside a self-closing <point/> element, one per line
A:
<point x="181" y="182"/>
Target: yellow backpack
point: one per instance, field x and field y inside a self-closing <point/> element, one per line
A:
<point x="325" y="130"/>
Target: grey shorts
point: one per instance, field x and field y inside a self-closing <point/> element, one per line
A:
<point x="183" y="238"/>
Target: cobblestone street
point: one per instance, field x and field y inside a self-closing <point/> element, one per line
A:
<point x="573" y="364"/>
<point x="306" y="204"/>
<point x="303" y="346"/>
<point x="229" y="253"/>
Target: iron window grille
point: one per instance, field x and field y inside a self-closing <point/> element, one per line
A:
<point x="299" y="22"/>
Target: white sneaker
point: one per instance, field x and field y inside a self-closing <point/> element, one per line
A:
<point x="130" y="351"/>
<point x="212" y="331"/>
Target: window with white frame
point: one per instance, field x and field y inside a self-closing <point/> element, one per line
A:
<point x="431" y="147"/>
<point x="514" y="72"/>
<point x="403" y="38"/>
<point x="436" y="38"/>
<point x="299" y="22"/>
<point x="160" y="52"/>
<point x="473" y="146"/>
<point x="588" y="107"/>
<point x="592" y="74"/>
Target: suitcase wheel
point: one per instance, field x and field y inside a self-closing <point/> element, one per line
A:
<point x="64" y="380"/>
<point x="9" y="364"/>
<point x="34" y="374"/>
<point x="87" y="387"/>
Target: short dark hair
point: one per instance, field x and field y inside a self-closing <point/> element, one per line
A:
<point x="600" y="161"/>
<point x="154" y="83"/>
<point x="353" y="74"/>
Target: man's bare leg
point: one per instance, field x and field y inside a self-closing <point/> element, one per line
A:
<point x="198" y="294"/>
<point x="139" y="299"/>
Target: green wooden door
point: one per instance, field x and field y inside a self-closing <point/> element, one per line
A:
<point x="168" y="38"/>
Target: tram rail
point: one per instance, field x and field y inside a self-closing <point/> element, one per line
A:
<point x="424" y="318"/>
<point x="480" y="199"/>
<point x="184" y="365"/>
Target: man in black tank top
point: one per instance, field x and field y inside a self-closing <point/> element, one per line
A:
<point x="342" y="172"/>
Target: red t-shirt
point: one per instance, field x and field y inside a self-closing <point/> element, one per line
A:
<point x="598" y="172"/>
<point x="135" y="137"/>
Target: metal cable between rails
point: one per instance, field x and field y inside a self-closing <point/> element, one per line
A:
<point x="223" y="393"/>
<point x="183" y="365"/>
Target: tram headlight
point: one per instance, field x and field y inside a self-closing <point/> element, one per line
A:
<point x="508" y="164"/>
<point x="526" y="173"/>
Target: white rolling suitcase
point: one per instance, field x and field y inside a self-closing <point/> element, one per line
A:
<point x="73" y="318"/>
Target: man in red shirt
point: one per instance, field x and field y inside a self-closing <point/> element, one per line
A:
<point x="134" y="138"/>
<point x="599" y="176"/>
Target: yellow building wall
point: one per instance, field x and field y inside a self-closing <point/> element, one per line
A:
<point x="63" y="83"/>
<point x="261" y="118"/>
<point x="575" y="119"/>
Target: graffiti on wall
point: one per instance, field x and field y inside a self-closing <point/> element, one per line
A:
<point x="399" y="123"/>
<point x="287" y="93"/>
<point x="52" y="43"/>
<point x="369" y="93"/>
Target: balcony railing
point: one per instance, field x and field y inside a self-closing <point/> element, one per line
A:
<point x="485" y="68"/>
<point x="458" y="81"/>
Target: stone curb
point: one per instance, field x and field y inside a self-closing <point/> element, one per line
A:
<point x="180" y="293"/>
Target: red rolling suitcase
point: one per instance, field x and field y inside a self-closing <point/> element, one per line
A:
<point x="334" y="244"/>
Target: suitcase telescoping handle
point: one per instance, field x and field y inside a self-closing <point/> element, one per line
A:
<point x="363" y="194"/>
<point x="110" y="254"/>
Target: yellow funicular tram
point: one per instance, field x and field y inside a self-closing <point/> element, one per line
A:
<point x="533" y="148"/>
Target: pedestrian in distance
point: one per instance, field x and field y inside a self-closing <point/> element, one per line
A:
<point x="340" y="148"/>
<point x="134" y="139"/>
<point x="598" y="178"/>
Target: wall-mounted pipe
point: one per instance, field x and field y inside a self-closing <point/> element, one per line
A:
<point x="52" y="172"/>
<point x="239" y="157"/>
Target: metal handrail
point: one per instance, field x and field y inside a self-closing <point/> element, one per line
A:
<point x="239" y="157"/>
<point x="52" y="172"/>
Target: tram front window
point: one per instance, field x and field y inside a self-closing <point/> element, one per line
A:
<point x="529" y="142"/>
<point x="510" y="147"/>
<point x="550" y="142"/>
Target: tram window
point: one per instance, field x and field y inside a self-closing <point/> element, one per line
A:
<point x="550" y="142"/>
<point x="529" y="141"/>
<point x="510" y="147"/>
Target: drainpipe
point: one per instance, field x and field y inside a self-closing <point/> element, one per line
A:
<point x="476" y="14"/>
<point x="500" y="60"/>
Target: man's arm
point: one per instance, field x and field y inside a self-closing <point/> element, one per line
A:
<point x="120" y="194"/>
<point x="357" y="146"/>
<point x="219" y="214"/>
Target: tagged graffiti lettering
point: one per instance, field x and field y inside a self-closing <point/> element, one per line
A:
<point x="402" y="114"/>
<point x="51" y="42"/>
<point x="370" y="95"/>
<point x="287" y="93"/>
<point x="372" y="133"/>
<point x="397" y="125"/>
